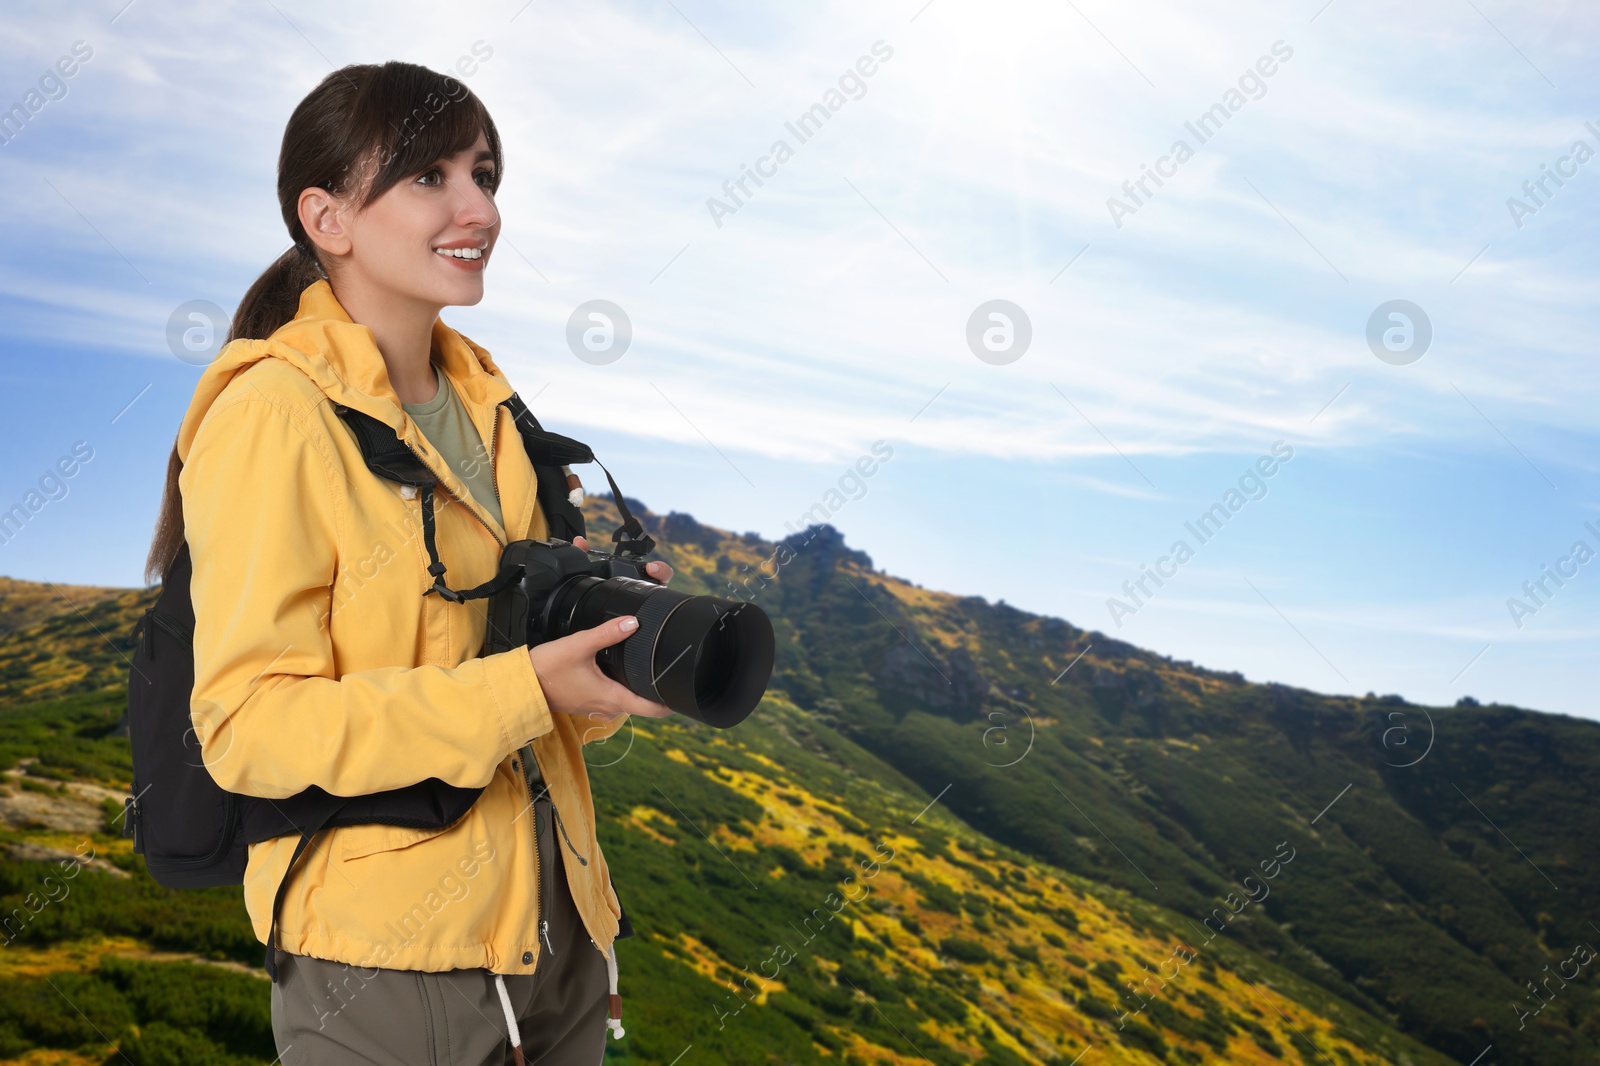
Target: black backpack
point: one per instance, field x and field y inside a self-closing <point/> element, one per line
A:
<point x="195" y="834"/>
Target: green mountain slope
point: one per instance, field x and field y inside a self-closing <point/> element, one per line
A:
<point x="1051" y="854"/>
<point x="1448" y="885"/>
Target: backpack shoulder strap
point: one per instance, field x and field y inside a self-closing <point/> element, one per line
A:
<point x="317" y="822"/>
<point x="386" y="455"/>
<point x="545" y="448"/>
<point x="389" y="457"/>
<point x="549" y="452"/>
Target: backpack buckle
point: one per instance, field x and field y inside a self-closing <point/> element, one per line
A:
<point x="130" y="817"/>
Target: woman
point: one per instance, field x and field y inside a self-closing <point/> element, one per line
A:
<point x="319" y="657"/>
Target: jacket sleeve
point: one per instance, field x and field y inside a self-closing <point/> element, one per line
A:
<point x="263" y="513"/>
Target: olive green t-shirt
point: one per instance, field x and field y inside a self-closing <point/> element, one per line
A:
<point x="448" y="427"/>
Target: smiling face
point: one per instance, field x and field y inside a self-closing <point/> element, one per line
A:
<point x="424" y="241"/>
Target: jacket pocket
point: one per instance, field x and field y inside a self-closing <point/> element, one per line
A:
<point x="356" y="841"/>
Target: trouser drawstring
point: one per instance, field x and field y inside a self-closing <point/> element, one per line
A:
<point x="613" y="1006"/>
<point x="511" y="1019"/>
<point x="614" y="1022"/>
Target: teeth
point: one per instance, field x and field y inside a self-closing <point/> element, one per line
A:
<point x="461" y="253"/>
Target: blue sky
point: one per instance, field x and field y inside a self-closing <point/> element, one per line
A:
<point x="830" y="309"/>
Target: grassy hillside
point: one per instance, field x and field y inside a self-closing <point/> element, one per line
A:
<point x="1448" y="855"/>
<point x="1051" y="851"/>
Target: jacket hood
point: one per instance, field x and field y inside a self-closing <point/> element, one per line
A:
<point x="342" y="357"/>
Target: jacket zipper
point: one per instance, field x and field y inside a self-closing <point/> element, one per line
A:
<point x="538" y="857"/>
<point x="548" y="797"/>
<point x="527" y="749"/>
<point x="445" y="489"/>
<point x="494" y="483"/>
<point x="544" y="920"/>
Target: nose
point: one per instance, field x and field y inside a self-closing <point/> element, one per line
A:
<point x="477" y="209"/>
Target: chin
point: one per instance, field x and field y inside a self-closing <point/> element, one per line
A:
<point x="459" y="292"/>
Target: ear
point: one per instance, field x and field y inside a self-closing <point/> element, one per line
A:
<point x="320" y="215"/>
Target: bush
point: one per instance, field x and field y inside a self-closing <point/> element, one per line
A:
<point x="965" y="950"/>
<point x="1137" y="1034"/>
<point x="1108" y="970"/>
<point x="1096" y="1008"/>
<point x="161" y="1014"/>
<point x="209" y="921"/>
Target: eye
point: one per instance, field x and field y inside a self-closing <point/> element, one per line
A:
<point x="485" y="178"/>
<point x="431" y="172"/>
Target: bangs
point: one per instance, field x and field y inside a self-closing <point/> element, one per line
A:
<point x="408" y="117"/>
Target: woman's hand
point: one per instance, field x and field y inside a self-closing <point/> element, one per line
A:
<point x="573" y="682"/>
<point x="658" y="571"/>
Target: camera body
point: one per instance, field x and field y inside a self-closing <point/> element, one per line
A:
<point x="525" y="612"/>
<point x="704" y="656"/>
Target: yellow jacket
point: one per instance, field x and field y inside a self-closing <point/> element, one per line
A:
<point x="318" y="661"/>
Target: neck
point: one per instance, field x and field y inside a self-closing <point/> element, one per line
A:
<point x="403" y="329"/>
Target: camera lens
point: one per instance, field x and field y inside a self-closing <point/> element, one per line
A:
<point x="707" y="657"/>
<point x="717" y="665"/>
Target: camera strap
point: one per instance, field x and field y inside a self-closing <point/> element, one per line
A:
<point x="506" y="576"/>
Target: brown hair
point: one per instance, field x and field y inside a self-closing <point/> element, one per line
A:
<point x="365" y="124"/>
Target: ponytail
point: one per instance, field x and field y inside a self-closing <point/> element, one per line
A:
<point x="267" y="305"/>
<point x="275" y="297"/>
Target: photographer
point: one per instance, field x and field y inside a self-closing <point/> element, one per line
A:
<point x="322" y="656"/>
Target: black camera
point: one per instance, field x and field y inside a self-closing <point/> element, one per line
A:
<point x="704" y="656"/>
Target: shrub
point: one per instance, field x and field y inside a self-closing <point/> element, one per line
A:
<point x="1137" y="1034"/>
<point x="1096" y="1008"/>
<point x="965" y="950"/>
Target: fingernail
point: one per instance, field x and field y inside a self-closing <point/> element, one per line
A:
<point x="629" y="624"/>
